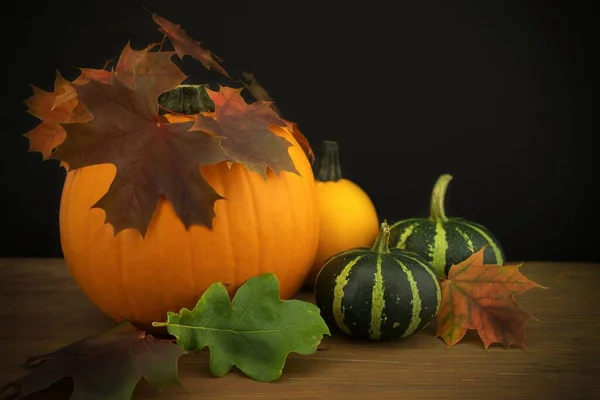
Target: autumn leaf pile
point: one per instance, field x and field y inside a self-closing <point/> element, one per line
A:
<point x="112" y="116"/>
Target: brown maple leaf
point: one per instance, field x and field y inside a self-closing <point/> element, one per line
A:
<point x="152" y="158"/>
<point x="481" y="297"/>
<point x="157" y="68"/>
<point x="184" y="45"/>
<point x="245" y="129"/>
<point x="43" y="105"/>
<point x="105" y="366"/>
<point x="149" y="64"/>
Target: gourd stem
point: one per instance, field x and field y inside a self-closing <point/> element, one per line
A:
<point x="381" y="242"/>
<point x="329" y="165"/>
<point x="437" y="212"/>
<point x="186" y="99"/>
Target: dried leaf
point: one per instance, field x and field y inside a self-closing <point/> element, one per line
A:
<point x="157" y="68"/>
<point x="153" y="159"/>
<point x="49" y="133"/>
<point x="255" y="332"/>
<point x="184" y="45"/>
<point x="481" y="297"/>
<point x="98" y="75"/>
<point x="107" y="366"/>
<point x="302" y="140"/>
<point x="245" y="127"/>
<point x="259" y="93"/>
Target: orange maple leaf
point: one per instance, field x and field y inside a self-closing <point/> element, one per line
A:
<point x="481" y="296"/>
<point x="43" y="105"/>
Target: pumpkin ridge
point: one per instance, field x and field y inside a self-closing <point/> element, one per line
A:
<point x="89" y="270"/>
<point x="191" y="262"/>
<point x="465" y="236"/>
<point x="86" y="270"/>
<point x="257" y="232"/>
<point x="406" y="233"/>
<point x="338" y="293"/>
<point x="377" y="300"/>
<point x="440" y="248"/>
<point x="415" y="318"/>
<point x="121" y="273"/>
<point x="227" y="225"/>
<point x="430" y="272"/>
<point x="161" y="263"/>
<point x="291" y="200"/>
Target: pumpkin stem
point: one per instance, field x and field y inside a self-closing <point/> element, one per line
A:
<point x="329" y="166"/>
<point x="381" y="243"/>
<point x="186" y="99"/>
<point x="437" y="212"/>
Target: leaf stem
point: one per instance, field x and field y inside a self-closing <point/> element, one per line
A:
<point x="329" y="166"/>
<point x="436" y="208"/>
<point x="381" y="242"/>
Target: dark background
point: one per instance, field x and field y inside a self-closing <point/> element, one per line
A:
<point x="495" y="93"/>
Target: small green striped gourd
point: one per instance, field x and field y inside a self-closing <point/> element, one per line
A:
<point x="445" y="241"/>
<point x="376" y="292"/>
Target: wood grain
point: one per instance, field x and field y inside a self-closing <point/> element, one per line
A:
<point x="42" y="309"/>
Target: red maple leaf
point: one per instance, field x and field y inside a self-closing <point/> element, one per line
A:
<point x="184" y="45"/>
<point x="153" y="159"/>
<point x="245" y="128"/>
<point x="481" y="297"/>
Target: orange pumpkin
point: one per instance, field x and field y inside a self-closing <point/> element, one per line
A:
<point x="262" y="226"/>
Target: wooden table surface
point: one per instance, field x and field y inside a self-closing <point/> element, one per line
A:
<point x="42" y="309"/>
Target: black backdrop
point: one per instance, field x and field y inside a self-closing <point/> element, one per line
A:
<point x="491" y="92"/>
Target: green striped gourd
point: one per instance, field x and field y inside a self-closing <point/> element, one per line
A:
<point x="445" y="241"/>
<point x="376" y="292"/>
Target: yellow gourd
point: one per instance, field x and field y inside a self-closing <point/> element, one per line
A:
<point x="347" y="215"/>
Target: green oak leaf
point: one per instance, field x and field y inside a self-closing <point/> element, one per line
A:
<point x="107" y="366"/>
<point x="254" y="332"/>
